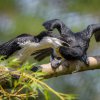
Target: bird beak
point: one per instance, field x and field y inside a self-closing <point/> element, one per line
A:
<point x="65" y="44"/>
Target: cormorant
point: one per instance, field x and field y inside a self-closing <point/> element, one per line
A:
<point x="78" y="42"/>
<point x="22" y="46"/>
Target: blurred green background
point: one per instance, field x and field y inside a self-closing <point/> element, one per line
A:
<point x="27" y="16"/>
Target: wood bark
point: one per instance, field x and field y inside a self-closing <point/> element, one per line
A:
<point x="94" y="63"/>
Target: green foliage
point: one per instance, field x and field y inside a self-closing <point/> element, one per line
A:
<point x="23" y="84"/>
<point x="7" y="5"/>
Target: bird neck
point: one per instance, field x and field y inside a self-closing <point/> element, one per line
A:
<point x="40" y="36"/>
<point x="64" y="30"/>
<point x="50" y="42"/>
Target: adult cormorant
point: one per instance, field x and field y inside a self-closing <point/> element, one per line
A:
<point x="79" y="42"/>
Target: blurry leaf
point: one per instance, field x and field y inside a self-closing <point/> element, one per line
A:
<point x="15" y="83"/>
<point x="29" y="84"/>
<point x="46" y="94"/>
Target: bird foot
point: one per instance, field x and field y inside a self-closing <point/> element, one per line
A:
<point x="87" y="63"/>
<point x="55" y="63"/>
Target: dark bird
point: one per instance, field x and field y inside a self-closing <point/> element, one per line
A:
<point x="22" y="46"/>
<point x="78" y="42"/>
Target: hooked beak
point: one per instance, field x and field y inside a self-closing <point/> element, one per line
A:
<point x="65" y="44"/>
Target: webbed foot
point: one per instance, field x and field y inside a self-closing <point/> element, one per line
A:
<point x="55" y="63"/>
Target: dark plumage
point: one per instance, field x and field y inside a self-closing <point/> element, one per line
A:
<point x="22" y="46"/>
<point x="8" y="48"/>
<point x="79" y="42"/>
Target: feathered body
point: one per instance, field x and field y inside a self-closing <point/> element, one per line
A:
<point x="79" y="41"/>
<point x="24" y="45"/>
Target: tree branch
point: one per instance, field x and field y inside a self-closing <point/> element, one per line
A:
<point x="94" y="63"/>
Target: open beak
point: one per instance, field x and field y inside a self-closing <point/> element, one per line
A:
<point x="65" y="44"/>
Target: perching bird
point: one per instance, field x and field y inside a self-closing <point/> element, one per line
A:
<point x="79" y="41"/>
<point x="22" y="46"/>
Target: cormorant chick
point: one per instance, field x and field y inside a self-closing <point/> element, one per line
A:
<point x="22" y="46"/>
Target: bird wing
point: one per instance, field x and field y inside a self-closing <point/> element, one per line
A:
<point x="39" y="55"/>
<point x="90" y="30"/>
<point x="8" y="48"/>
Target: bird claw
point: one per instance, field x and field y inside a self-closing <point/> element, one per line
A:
<point x="55" y="63"/>
<point x="87" y="63"/>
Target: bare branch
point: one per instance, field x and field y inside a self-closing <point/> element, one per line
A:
<point x="94" y="63"/>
